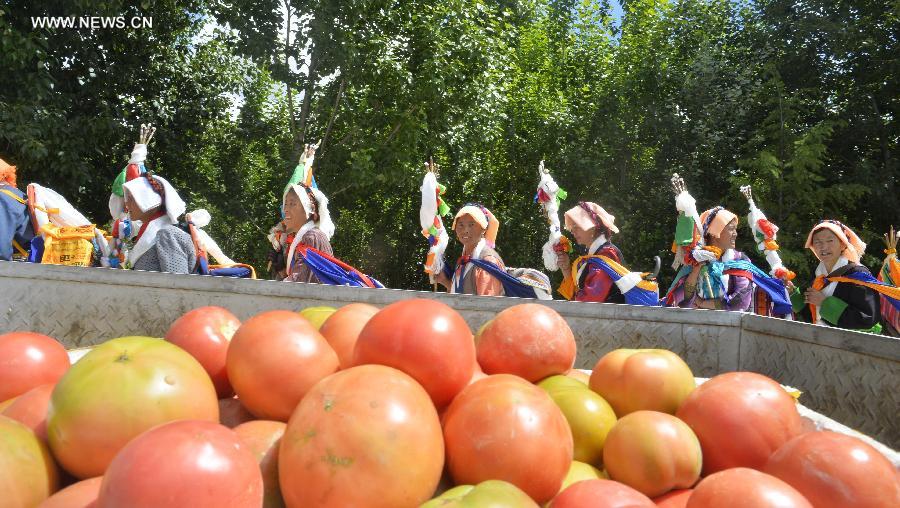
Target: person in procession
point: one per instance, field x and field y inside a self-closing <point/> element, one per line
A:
<point x="301" y="241"/>
<point x="160" y="245"/>
<point x="844" y="293"/>
<point x="584" y="281"/>
<point x="719" y="230"/>
<point x="476" y="229"/>
<point x="16" y="228"/>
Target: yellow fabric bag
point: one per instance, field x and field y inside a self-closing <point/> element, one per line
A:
<point x="70" y="246"/>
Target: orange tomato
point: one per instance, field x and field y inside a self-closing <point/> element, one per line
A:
<point x="653" y="453"/>
<point x="528" y="340"/>
<point x="742" y="487"/>
<point x="740" y="418"/>
<point x="364" y="436"/>
<point x="835" y="470"/>
<point x="504" y="428"/>
<point x="642" y="379"/>
<point x="274" y="358"/>
<point x="342" y="328"/>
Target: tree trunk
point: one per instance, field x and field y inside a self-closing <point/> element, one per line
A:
<point x="290" y="95"/>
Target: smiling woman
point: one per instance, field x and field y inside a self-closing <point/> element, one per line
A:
<point x="476" y="229"/>
<point x="844" y="293"/>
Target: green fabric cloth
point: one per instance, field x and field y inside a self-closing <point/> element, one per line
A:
<point x="684" y="230"/>
<point x="832" y="308"/>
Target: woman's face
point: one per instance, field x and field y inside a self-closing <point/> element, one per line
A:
<point x="827" y="247"/>
<point x="727" y="237"/>
<point x="294" y="214"/>
<point x="468" y="232"/>
<point x="584" y="237"/>
<point x="134" y="211"/>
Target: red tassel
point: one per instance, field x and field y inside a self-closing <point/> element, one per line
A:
<point x="768" y="229"/>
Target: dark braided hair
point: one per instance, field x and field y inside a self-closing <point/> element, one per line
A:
<point x="598" y="223"/>
<point x="157" y="188"/>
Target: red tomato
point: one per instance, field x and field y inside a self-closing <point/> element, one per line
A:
<point x="117" y="391"/>
<point x="232" y="413"/>
<point x="30" y="408"/>
<point x="653" y="453"/>
<point x="205" y="333"/>
<point x="425" y="339"/>
<point x="740" y="418"/>
<point x="635" y="379"/>
<point x="505" y="428"/>
<point x="78" y="495"/>
<point x="186" y="463"/>
<point x="28" y="474"/>
<point x="274" y="359"/>
<point x="365" y="436"/>
<point x="601" y="494"/>
<point x="835" y="470"/>
<point x="342" y="328"/>
<point x="263" y="437"/>
<point x="529" y="340"/>
<point x="29" y="360"/>
<point x="674" y="499"/>
<point x="742" y="487"/>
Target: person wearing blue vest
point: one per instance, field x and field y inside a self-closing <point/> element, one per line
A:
<point x="16" y="228"/>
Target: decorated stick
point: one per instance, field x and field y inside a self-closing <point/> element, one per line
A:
<point x="890" y="269"/>
<point x="765" y="232"/>
<point x="303" y="173"/>
<point x="548" y="196"/>
<point x="687" y="230"/>
<point x="430" y="213"/>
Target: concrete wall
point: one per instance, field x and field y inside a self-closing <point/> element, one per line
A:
<point x="851" y="377"/>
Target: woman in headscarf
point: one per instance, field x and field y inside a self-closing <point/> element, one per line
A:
<point x="476" y="229"/>
<point x="694" y="287"/>
<point x="306" y="222"/>
<point x="160" y="244"/>
<point x="592" y="227"/>
<point x="842" y="294"/>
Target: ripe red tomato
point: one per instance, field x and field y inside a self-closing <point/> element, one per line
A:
<point x="674" y="499"/>
<point x="185" y="463"/>
<point x="232" y="413"/>
<point x="30" y="408"/>
<point x="740" y="418"/>
<point x="342" y="328"/>
<point x="117" y="391"/>
<point x="529" y="340"/>
<point x="635" y="379"/>
<point x="835" y="470"/>
<point x="424" y="338"/>
<point x="365" y="436"/>
<point x="742" y="487"/>
<point x="205" y="333"/>
<point x="82" y="494"/>
<point x="502" y="427"/>
<point x="263" y="438"/>
<point x="29" y="360"/>
<point x="274" y="359"/>
<point x="601" y="494"/>
<point x="653" y="453"/>
<point x="28" y="474"/>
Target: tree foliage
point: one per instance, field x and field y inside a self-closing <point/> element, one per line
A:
<point x="798" y="98"/>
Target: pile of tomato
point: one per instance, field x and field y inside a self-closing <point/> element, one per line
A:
<point x="405" y="407"/>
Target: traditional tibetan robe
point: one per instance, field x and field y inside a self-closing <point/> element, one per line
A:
<point x="298" y="270"/>
<point x="847" y="305"/>
<point x="15" y="223"/>
<point x="594" y="284"/>
<point x="471" y="280"/>
<point x="737" y="294"/>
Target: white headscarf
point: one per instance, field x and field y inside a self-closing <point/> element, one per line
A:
<point x="324" y="223"/>
<point x="147" y="199"/>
